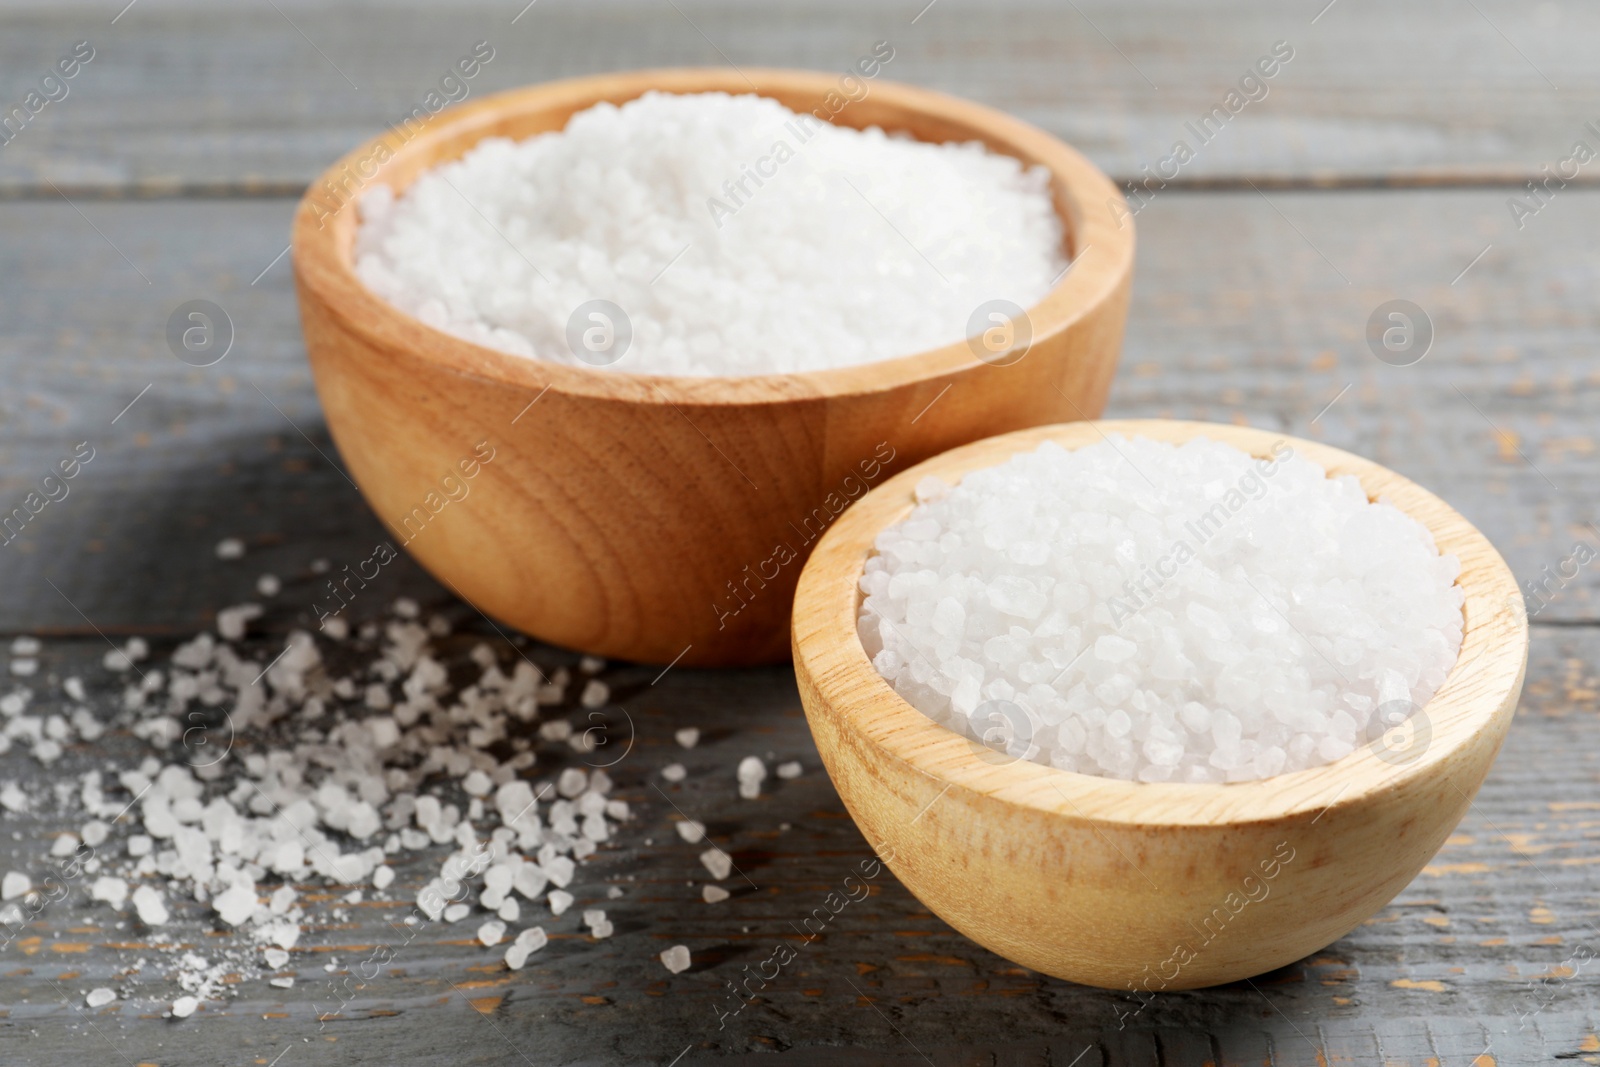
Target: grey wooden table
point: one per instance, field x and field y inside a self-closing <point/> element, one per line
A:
<point x="1383" y="163"/>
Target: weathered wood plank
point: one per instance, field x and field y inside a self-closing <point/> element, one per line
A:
<point x="1484" y="952"/>
<point x="1237" y="315"/>
<point x="240" y="97"/>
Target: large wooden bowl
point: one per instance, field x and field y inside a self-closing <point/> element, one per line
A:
<point x="638" y="516"/>
<point x="1141" y="886"/>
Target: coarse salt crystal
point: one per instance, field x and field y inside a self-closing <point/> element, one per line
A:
<point x="751" y="773"/>
<point x="822" y="281"/>
<point x="109" y="889"/>
<point x="528" y="942"/>
<point x="717" y="862"/>
<point x="99" y="998"/>
<point x="231" y="622"/>
<point x="236" y="904"/>
<point x="676" y="959"/>
<point x="713" y="894"/>
<point x="1148" y="611"/>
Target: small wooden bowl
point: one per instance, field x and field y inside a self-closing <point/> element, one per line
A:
<point x="1141" y="886"/>
<point x="633" y="515"/>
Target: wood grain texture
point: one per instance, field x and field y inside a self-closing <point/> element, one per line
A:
<point x="1470" y="956"/>
<point x="1236" y="316"/>
<point x="192" y="95"/>
<point x="1138" y="886"/>
<point x="653" y="517"/>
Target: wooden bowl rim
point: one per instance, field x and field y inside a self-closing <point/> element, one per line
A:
<point x="1102" y="251"/>
<point x="828" y="654"/>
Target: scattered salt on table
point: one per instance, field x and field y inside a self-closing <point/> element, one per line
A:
<point x="717" y="862"/>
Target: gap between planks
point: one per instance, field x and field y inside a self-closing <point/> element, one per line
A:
<point x="281" y="189"/>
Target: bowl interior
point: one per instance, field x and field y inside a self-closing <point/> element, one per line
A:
<point x="1096" y="239"/>
<point x="1475" y="693"/>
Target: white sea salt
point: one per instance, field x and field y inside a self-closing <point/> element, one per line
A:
<point x="99" y="998"/>
<point x="751" y="773"/>
<point x="150" y="905"/>
<point x="322" y="792"/>
<point x="527" y="943"/>
<point x="736" y="236"/>
<point x="184" y="1007"/>
<point x="230" y="548"/>
<point x="718" y="862"/>
<point x="110" y="889"/>
<point x="491" y="932"/>
<point x="235" y="905"/>
<point x="789" y="770"/>
<point x="713" y="894"/>
<point x="674" y="772"/>
<point x="1140" y="610"/>
<point x="231" y="622"/>
<point x="688" y="737"/>
<point x="676" y="958"/>
<point x="692" y="831"/>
